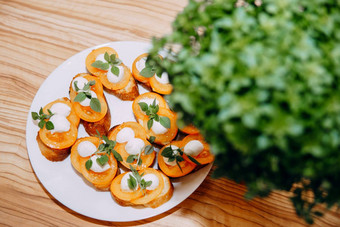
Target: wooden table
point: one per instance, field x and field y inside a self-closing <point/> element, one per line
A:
<point x="36" y="37"/>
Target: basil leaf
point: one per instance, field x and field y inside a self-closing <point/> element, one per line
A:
<point x="115" y="70"/>
<point x="41" y="112"/>
<point x="171" y="159"/>
<point x="95" y="104"/>
<point x="139" y="162"/>
<point x="81" y="96"/>
<point x="97" y="64"/>
<point x="150" y="123"/>
<point x="112" y="58"/>
<point x="92" y="82"/>
<point x="179" y="158"/>
<point x="76" y="86"/>
<point x="50" y="112"/>
<point x="148" y="149"/>
<point x="143" y="106"/>
<point x="117" y="156"/>
<point x="147" y="72"/>
<point x="35" y="115"/>
<point x="49" y="125"/>
<point x="165" y="121"/>
<point x="88" y="164"/>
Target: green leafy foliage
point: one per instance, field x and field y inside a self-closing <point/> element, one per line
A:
<point x="263" y="85"/>
<point x="111" y="60"/>
<point x="85" y="93"/>
<point x="151" y="111"/>
<point x="43" y="119"/>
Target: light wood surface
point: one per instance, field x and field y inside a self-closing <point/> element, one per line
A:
<point x="36" y="37"/>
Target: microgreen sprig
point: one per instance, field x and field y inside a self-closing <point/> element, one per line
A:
<point x="151" y="111"/>
<point x="137" y="179"/>
<point x="111" y="60"/>
<point x="105" y="149"/>
<point x="85" y="93"/>
<point x="42" y="117"/>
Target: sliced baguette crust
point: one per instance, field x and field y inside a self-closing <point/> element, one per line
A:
<point x="52" y="154"/>
<point x="103" y="125"/>
<point x="128" y="93"/>
<point x="165" y="195"/>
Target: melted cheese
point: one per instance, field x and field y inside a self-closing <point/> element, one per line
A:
<point x="134" y="146"/>
<point x="113" y="78"/>
<point x="193" y="148"/>
<point x="81" y="81"/>
<point x="125" y="135"/>
<point x="140" y="65"/>
<point x="153" y="178"/>
<point x="86" y="148"/>
<point x="157" y="128"/>
<point x="96" y="167"/>
<point x="61" y="124"/>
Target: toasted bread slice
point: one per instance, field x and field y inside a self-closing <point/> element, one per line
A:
<point x="52" y="154"/>
<point x="165" y="195"/>
<point x="102" y="126"/>
<point x="128" y="93"/>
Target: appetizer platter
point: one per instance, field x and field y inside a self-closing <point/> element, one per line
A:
<point x="103" y="141"/>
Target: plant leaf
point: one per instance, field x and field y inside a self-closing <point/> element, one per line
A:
<point x="117" y="156"/>
<point x="95" y="105"/>
<point x="143" y="106"/>
<point x="165" y="121"/>
<point x="88" y="164"/>
<point x="81" y="96"/>
<point x="147" y="72"/>
<point x="107" y="57"/>
<point x="35" y="115"/>
<point x="131" y="158"/>
<point x="167" y="152"/>
<point x="41" y="112"/>
<point x="49" y="125"/>
<point x="132" y="183"/>
<point x="115" y="70"/>
<point x="102" y="160"/>
<point x="193" y="160"/>
<point x="76" y="86"/>
<point x="41" y="124"/>
<point x="152" y="139"/>
<point x="150" y="123"/>
<point x="148" y="149"/>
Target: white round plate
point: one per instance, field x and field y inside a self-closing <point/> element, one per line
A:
<point x="60" y="178"/>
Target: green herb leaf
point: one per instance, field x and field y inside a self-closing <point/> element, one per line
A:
<point x="41" y="112"/>
<point x="117" y="156"/>
<point x="148" y="149"/>
<point x="147" y="72"/>
<point x="150" y="123"/>
<point x="76" y="86"/>
<point x="35" y="115"/>
<point x="143" y="106"/>
<point x="88" y="164"/>
<point x="167" y="152"/>
<point x="95" y="104"/>
<point x="112" y="58"/>
<point x="115" y="70"/>
<point x="91" y="82"/>
<point x="165" y="121"/>
<point x="193" y="160"/>
<point x="41" y="124"/>
<point x="102" y="160"/>
<point x="132" y="183"/>
<point x="49" y="125"/>
<point x="107" y="57"/>
<point x="81" y="96"/>
<point x="152" y="139"/>
<point x="131" y="158"/>
<point x="100" y="65"/>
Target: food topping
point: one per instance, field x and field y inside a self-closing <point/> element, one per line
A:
<point x="134" y="146"/>
<point x="86" y="148"/>
<point x="151" y="178"/>
<point x="60" y="109"/>
<point x="193" y="148"/>
<point x="125" y="135"/>
<point x="158" y="128"/>
<point x="60" y="123"/>
<point x="163" y="79"/>
<point x="97" y="166"/>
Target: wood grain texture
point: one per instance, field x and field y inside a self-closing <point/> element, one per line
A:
<point x="35" y="37"/>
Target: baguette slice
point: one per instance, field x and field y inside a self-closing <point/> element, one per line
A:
<point x="127" y="93"/>
<point x="52" y="154"/>
<point x="165" y="195"/>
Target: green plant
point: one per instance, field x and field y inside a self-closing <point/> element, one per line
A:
<point x="263" y="86"/>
